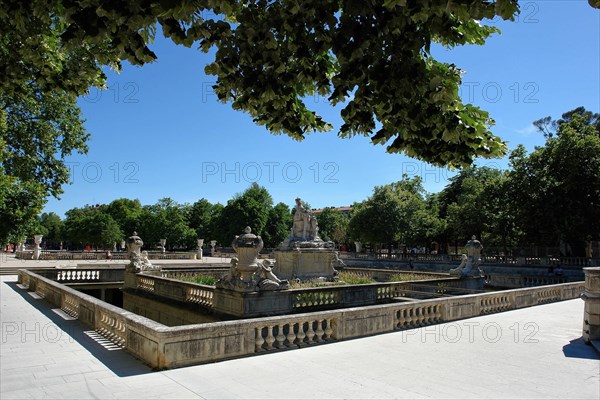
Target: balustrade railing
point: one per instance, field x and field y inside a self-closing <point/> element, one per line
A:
<point x="70" y="304"/>
<point x="174" y="289"/>
<point x="199" y="295"/>
<point x="486" y="259"/>
<point x="164" y="347"/>
<point x="496" y="303"/>
<point x="145" y="283"/>
<point x="77" y="275"/>
<point x="415" y="316"/>
<point x="113" y="327"/>
<point x="311" y="298"/>
<point x="294" y="333"/>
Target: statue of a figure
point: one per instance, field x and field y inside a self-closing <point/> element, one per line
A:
<point x="266" y="279"/>
<point x="302" y="221"/>
<point x="247" y="273"/>
<point x="138" y="260"/>
<point x="305" y="231"/>
<point x="338" y="263"/>
<point x="470" y="262"/>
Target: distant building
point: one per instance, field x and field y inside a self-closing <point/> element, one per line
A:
<point x="343" y="210"/>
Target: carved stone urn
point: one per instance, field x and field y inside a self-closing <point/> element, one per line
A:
<point x="247" y="246"/>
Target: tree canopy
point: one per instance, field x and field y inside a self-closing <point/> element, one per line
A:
<point x="37" y="131"/>
<point x="395" y="212"/>
<point x="557" y="186"/>
<point x="333" y="225"/>
<point x="373" y="57"/>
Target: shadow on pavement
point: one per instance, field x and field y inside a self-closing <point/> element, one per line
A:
<point x="116" y="359"/>
<point x="578" y="349"/>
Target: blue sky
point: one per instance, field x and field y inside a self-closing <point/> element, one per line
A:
<point x="158" y="130"/>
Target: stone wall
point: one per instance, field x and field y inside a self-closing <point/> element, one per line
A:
<point x="168" y="347"/>
<point x="498" y="275"/>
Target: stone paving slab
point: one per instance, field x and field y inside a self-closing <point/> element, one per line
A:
<point x="523" y="354"/>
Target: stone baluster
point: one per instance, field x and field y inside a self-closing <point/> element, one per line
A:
<point x="270" y="339"/>
<point x="259" y="341"/>
<point x="438" y="314"/>
<point x="301" y="335"/>
<point x="319" y="333"/>
<point x="280" y="337"/>
<point x="291" y="336"/>
<point x="328" y="330"/>
<point x="310" y="334"/>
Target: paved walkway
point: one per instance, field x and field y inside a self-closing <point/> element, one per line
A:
<point x="528" y="353"/>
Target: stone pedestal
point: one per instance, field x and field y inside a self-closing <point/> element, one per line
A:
<point x="591" y="296"/>
<point x="129" y="280"/>
<point x="304" y="263"/>
<point x="251" y="304"/>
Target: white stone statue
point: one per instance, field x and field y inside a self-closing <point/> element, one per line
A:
<point x="138" y="261"/>
<point x="470" y="262"/>
<point x="305" y="230"/>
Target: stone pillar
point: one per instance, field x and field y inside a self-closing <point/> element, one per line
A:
<point x="591" y="296"/>
<point x="200" y="243"/>
<point x="37" y="250"/>
<point x="162" y="245"/>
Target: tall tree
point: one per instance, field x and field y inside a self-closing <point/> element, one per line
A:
<point x="200" y="216"/>
<point x="53" y="229"/>
<point x="278" y="225"/>
<point x="91" y="225"/>
<point x="557" y="186"/>
<point x="333" y="225"/>
<point x="127" y="213"/>
<point x="37" y="131"/>
<point x="166" y="219"/>
<point x="390" y="214"/>
<point x="250" y="208"/>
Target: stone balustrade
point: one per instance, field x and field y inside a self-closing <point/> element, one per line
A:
<point x="168" y="347"/>
<point x="210" y="270"/>
<point x="113" y="327"/>
<point x="293" y="333"/>
<point x="174" y="289"/>
<point x="486" y="259"/>
<point x="100" y="255"/>
<point x="298" y="300"/>
<point x="86" y="274"/>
